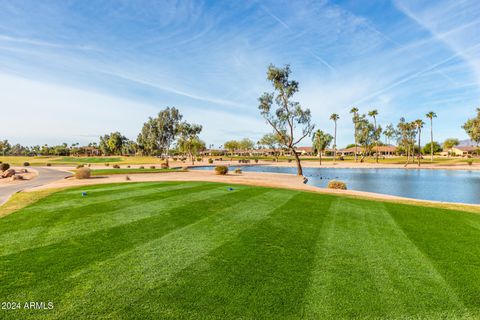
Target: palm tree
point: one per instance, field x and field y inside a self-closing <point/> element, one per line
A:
<point x="374" y="114"/>
<point x="354" y="111"/>
<point x="334" y="117"/>
<point x="389" y="133"/>
<point x="419" y="124"/>
<point x="430" y="116"/>
<point x="321" y="141"/>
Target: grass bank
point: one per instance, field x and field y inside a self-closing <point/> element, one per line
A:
<point x="200" y="250"/>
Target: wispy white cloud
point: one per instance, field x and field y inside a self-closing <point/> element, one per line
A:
<point x="210" y="60"/>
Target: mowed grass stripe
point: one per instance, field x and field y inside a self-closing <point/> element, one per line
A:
<point x="38" y="282"/>
<point x="68" y="201"/>
<point x="162" y="259"/>
<point x="356" y="258"/>
<point x="451" y="243"/>
<point x="93" y="218"/>
<point x="262" y="274"/>
<point x="248" y="253"/>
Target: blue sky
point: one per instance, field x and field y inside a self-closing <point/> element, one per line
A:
<point x="73" y="70"/>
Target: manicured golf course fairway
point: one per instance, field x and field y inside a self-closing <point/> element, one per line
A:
<point x="199" y="250"/>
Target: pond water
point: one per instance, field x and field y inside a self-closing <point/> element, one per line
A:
<point x="440" y="185"/>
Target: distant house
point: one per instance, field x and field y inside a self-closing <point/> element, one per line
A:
<point x="304" y="151"/>
<point x="382" y="151"/>
<point x="464" y="151"/>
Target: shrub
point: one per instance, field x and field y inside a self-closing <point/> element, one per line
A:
<point x="163" y="166"/>
<point x="26" y="164"/>
<point x="289" y="160"/>
<point x="80" y="166"/>
<point x="127" y="178"/>
<point x="221" y="170"/>
<point x="116" y="166"/>
<point x="256" y="160"/>
<point x="210" y="160"/>
<point x="128" y="167"/>
<point x="335" y="184"/>
<point x="4" y="166"/>
<point x="238" y="171"/>
<point x="82" y="173"/>
<point x="49" y="164"/>
<point x="141" y="167"/>
<point x="107" y="164"/>
<point x="153" y="167"/>
<point x="174" y="158"/>
<point x="199" y="159"/>
<point x="341" y="158"/>
<point x="470" y="162"/>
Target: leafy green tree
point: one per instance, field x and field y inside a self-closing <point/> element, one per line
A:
<point x="112" y="143"/>
<point x="436" y="147"/>
<point x="449" y="144"/>
<point x="5" y="147"/>
<point x="354" y="112"/>
<point x="232" y="146"/>
<point x="246" y="144"/>
<point x="288" y="115"/>
<point x="272" y="141"/>
<point x="334" y="117"/>
<point x="321" y="141"/>
<point x="430" y="115"/>
<point x="472" y="128"/>
<point x="159" y="133"/>
<point x="189" y="141"/>
<point x="366" y="135"/>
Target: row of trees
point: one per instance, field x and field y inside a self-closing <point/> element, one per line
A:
<point x="291" y="124"/>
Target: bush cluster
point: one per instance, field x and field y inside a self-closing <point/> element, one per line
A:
<point x="80" y="166"/>
<point x="152" y="167"/>
<point x="238" y="171"/>
<point x="221" y="170"/>
<point x="243" y="161"/>
<point x="210" y="160"/>
<point x="4" y="166"/>
<point x="82" y="173"/>
<point x="116" y="166"/>
<point x="26" y="164"/>
<point x="335" y="184"/>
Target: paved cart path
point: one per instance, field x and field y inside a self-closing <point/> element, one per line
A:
<point x="45" y="176"/>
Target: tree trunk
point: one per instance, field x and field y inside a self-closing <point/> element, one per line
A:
<point x="320" y="157"/>
<point x="335" y="144"/>
<point x="376" y="141"/>
<point x="356" y="157"/>
<point x="299" y="165"/>
<point x="431" y="140"/>
<point x="419" y="147"/>
<point x="408" y="155"/>
<point x="167" y="156"/>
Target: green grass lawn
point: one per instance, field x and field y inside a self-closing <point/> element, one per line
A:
<point x="87" y="159"/>
<point x="101" y="172"/>
<point x="200" y="251"/>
